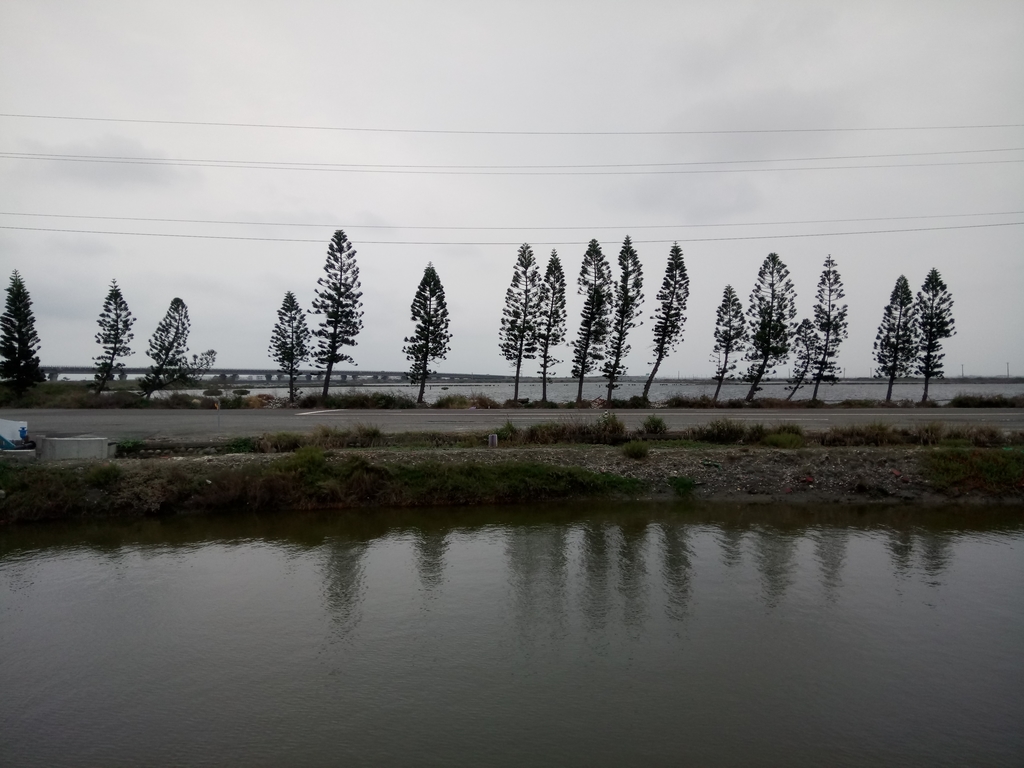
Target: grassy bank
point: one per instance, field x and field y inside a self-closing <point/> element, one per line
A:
<point x="309" y="478"/>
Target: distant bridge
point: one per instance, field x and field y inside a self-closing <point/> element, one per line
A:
<point x="54" y="372"/>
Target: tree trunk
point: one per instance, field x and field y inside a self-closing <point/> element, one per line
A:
<point x="757" y="380"/>
<point x="327" y="378"/>
<point x="544" y="379"/>
<point x="924" y="398"/>
<point x="888" y="393"/>
<point x="611" y="386"/>
<point x="718" y="389"/>
<point x="579" y="392"/>
<point x="423" y="386"/>
<point x="515" y="390"/>
<point x="650" y="379"/>
<point x="817" y="383"/>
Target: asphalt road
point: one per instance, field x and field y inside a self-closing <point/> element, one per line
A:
<point x="188" y="425"/>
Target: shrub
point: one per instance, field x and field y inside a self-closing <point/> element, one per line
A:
<point x="508" y="431"/>
<point x="610" y="426"/>
<point x="678" y="401"/>
<point x="783" y="440"/>
<point x="239" y="392"/>
<point x="636" y="449"/>
<point x="451" y="401"/>
<point x="862" y="434"/>
<point x="966" y="400"/>
<point x="654" y="425"/>
<point x="240" y="445"/>
<point x="103" y="475"/>
<point x="213" y="392"/>
<point x="683" y="486"/>
<point x="720" y="431"/>
<point x="128" y="447"/>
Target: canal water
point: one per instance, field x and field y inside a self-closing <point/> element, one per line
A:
<point x="608" y="635"/>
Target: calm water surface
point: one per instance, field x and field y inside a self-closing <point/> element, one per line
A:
<point x="619" y="635"/>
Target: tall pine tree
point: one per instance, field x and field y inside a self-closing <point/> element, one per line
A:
<point x="168" y="349"/>
<point x="730" y="337"/>
<point x="550" y="319"/>
<point x="517" y="338"/>
<point x="770" y="318"/>
<point x="934" y="310"/>
<point x="669" y="318"/>
<point x="19" y="342"/>
<point x="627" y="296"/>
<point x="829" y="323"/>
<point x="594" y="284"/>
<point x="339" y="300"/>
<point x="289" y="341"/>
<point x="431" y="338"/>
<point x="896" y="340"/>
<point x="805" y="355"/>
<point x="115" y="322"/>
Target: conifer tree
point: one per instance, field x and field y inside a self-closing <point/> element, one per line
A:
<point x="19" y="342"/>
<point x="168" y="349"/>
<point x="289" y="341"/>
<point x="627" y="296"/>
<point x="730" y="337"/>
<point x="594" y="284"/>
<point x="770" y="319"/>
<point x="805" y="354"/>
<point x="829" y="323"/>
<point x="115" y="322"/>
<point x="431" y="338"/>
<point x="339" y="300"/>
<point x="550" y="319"/>
<point x="934" y="311"/>
<point x="669" y="318"/>
<point x="896" y="340"/>
<point x="517" y="338"/>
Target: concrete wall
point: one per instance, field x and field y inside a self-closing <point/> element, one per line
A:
<point x="60" y="448"/>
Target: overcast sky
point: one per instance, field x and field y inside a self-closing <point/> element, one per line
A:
<point x="532" y="67"/>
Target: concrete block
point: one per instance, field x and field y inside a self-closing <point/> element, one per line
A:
<point x="62" y="448"/>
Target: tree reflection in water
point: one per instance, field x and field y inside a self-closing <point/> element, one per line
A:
<point x="596" y="564"/>
<point x="538" y="564"/>
<point x="830" y="551"/>
<point x="676" y="565"/>
<point x="774" y="552"/>
<point x="431" y="548"/>
<point x="344" y="585"/>
<point x="632" y="566"/>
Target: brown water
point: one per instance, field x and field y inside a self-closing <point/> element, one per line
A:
<point x="614" y="635"/>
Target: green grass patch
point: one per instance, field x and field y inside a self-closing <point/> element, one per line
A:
<point x="786" y="440"/>
<point x="975" y="469"/>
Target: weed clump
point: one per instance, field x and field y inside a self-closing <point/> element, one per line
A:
<point x="103" y="475"/>
<point x="636" y="449"/>
<point x="964" y="470"/>
<point x="683" y="486"/>
<point x="654" y="425"/>
<point x="720" y="431"/>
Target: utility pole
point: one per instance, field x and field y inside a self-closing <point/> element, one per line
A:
<point x="961" y="370"/>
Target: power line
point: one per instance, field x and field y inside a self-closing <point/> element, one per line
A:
<point x="418" y="172"/>
<point x="461" y="132"/>
<point x="521" y="229"/>
<point x="569" y="242"/>
<point x="414" y="166"/>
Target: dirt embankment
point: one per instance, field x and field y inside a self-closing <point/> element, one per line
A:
<point x="747" y="474"/>
<point x="311" y="477"/>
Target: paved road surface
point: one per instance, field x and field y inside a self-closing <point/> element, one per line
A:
<point x="198" y="425"/>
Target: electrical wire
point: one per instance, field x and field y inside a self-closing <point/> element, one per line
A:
<point x="462" y="132"/>
<point x="414" y="166"/>
<point x="520" y="229"/>
<point x="418" y="172"/>
<point x="571" y="242"/>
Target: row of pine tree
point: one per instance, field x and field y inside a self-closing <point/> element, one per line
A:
<point x="765" y="335"/>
